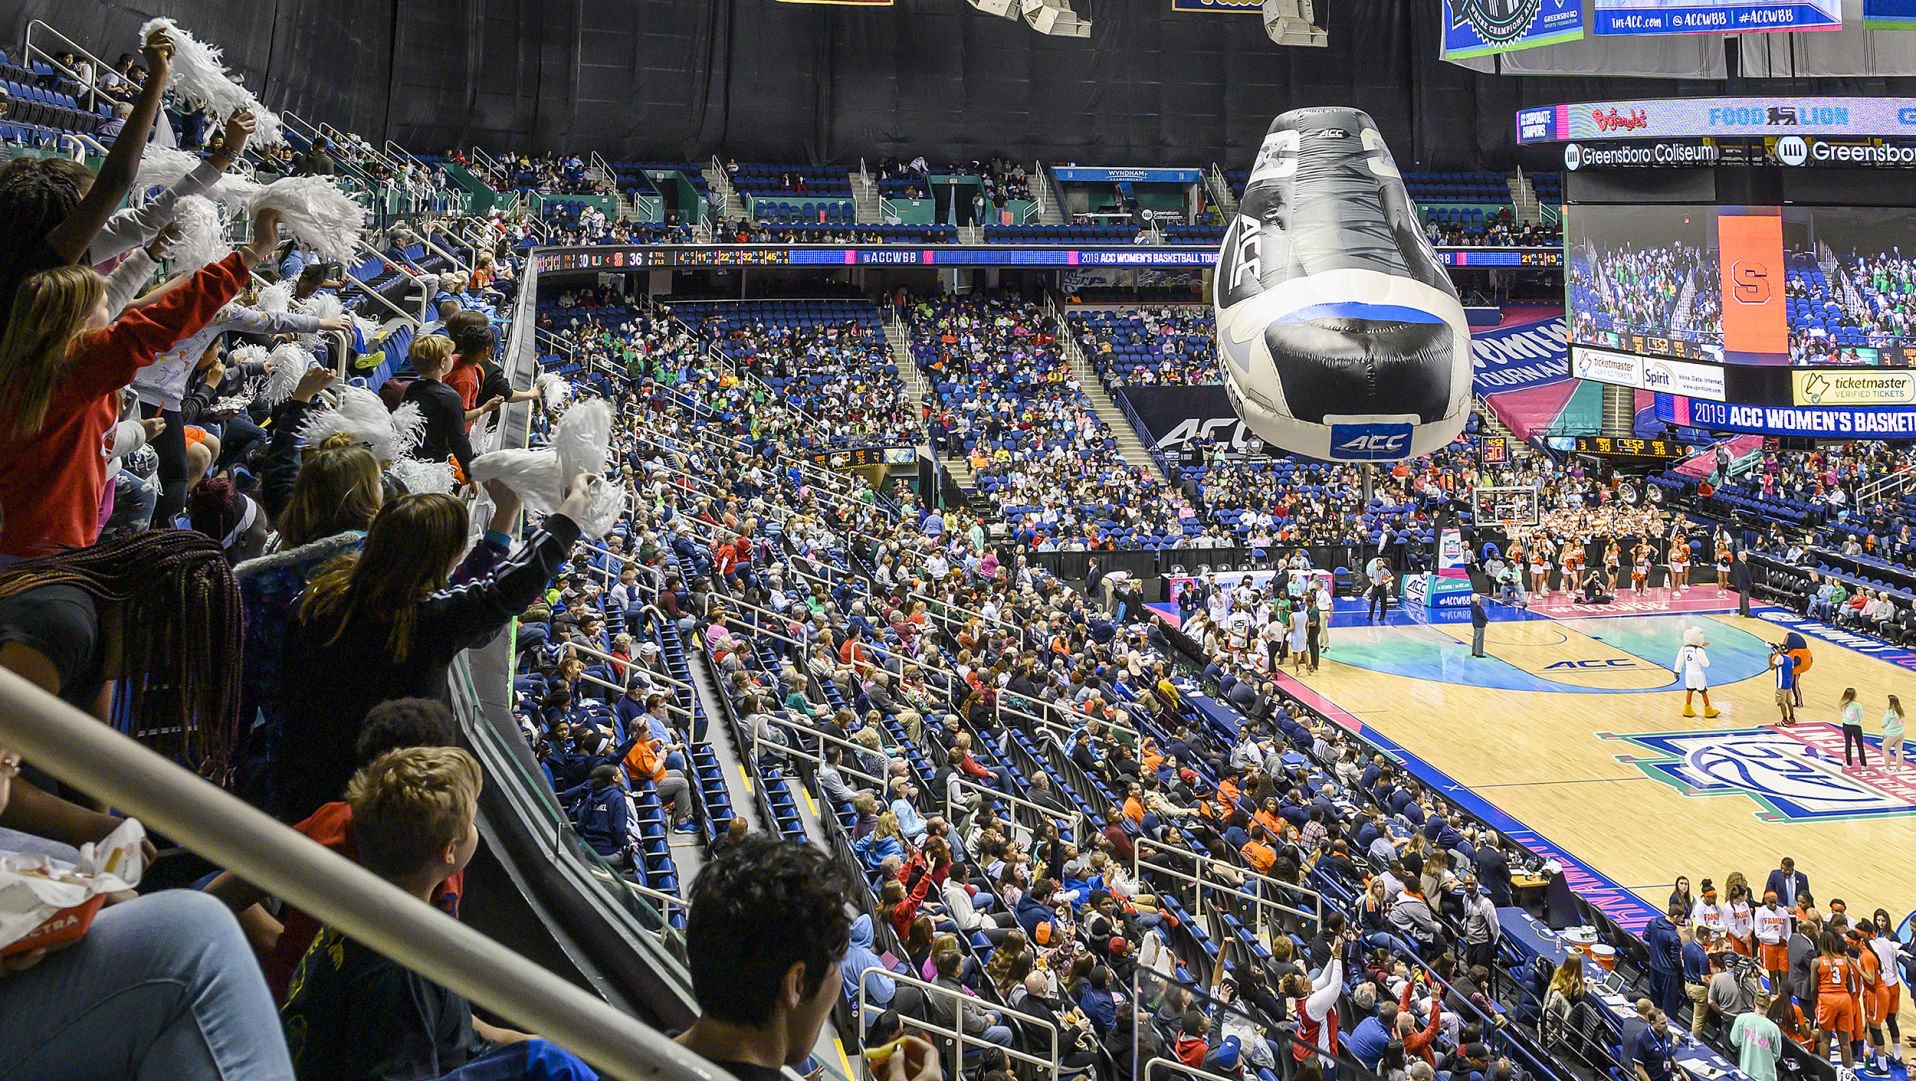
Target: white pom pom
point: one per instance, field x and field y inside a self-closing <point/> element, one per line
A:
<point x="320" y="306"/>
<point x="582" y="437"/>
<point x="534" y="475"/>
<point x="368" y="330"/>
<point x="605" y="510"/>
<point x="199" y="73"/>
<point x="202" y="234"/>
<point x="316" y="213"/>
<point x="275" y="298"/>
<point x="555" y="391"/>
<point x="419" y="477"/>
<point x="289" y="363"/>
<point x="409" y="427"/>
<point x="358" y="413"/>
<point x="246" y="354"/>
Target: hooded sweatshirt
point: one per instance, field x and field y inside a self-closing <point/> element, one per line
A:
<point x="859" y="956"/>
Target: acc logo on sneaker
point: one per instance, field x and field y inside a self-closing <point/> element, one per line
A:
<point x="1370" y="441"/>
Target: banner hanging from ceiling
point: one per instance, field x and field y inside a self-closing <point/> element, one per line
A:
<point x="1631" y="17"/>
<point x="1482" y="27"/>
<point x="1889" y="14"/>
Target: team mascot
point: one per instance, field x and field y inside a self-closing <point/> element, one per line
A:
<point x="1340" y="334"/>
<point x="1693" y="664"/>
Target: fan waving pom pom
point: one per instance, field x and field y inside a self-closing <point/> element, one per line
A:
<point x="419" y="477"/>
<point x="317" y="213"/>
<point x="202" y="236"/>
<point x="534" y="475"/>
<point x="320" y="306"/>
<point x="360" y="414"/>
<point x="199" y="73"/>
<point x="163" y="167"/>
<point x="409" y="428"/>
<point x="582" y="437"/>
<point x="289" y="363"/>
<point x="276" y="298"/>
<point x="579" y="445"/>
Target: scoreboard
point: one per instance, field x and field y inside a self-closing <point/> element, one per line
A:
<point x="1607" y="446"/>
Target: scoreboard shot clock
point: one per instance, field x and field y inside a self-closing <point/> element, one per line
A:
<point x="1608" y="446"/>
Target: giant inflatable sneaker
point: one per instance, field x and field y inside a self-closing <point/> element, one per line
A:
<point x="1341" y="335"/>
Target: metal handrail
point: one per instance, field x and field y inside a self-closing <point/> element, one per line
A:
<point x="957" y="1032"/>
<point x="1077" y="820"/>
<point x="366" y="288"/>
<point x="1171" y="1065"/>
<point x="1259" y="903"/>
<point x="29" y="49"/>
<point x="75" y="748"/>
<point x="818" y="756"/>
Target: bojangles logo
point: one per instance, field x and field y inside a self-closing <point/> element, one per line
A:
<point x="1617" y="120"/>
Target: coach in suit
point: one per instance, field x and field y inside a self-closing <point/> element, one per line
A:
<point x="1742" y="579"/>
<point x="1493" y="869"/>
<point x="1479" y="619"/>
<point x="1787" y="883"/>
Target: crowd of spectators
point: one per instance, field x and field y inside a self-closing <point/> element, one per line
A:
<point x="1629" y="287"/>
<point x="1171" y="345"/>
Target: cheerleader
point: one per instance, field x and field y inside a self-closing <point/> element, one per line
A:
<point x="1640" y="565"/>
<point x="1723" y="554"/>
<point x="1612" y="563"/>
<point x="1570" y="565"/>
<point x="1679" y="562"/>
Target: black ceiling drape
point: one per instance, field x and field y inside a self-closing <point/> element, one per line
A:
<point x="682" y="79"/>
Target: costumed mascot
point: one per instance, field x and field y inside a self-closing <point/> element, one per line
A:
<point x="1693" y="664"/>
<point x="1341" y="336"/>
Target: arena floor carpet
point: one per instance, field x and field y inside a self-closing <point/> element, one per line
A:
<point x="1571" y="732"/>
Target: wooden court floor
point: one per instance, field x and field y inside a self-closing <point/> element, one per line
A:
<point x="1574" y="727"/>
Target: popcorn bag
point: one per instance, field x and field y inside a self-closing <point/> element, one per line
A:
<point x="46" y="903"/>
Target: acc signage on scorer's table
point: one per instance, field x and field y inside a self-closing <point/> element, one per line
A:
<point x="1480" y="27"/>
<point x="1681" y="118"/>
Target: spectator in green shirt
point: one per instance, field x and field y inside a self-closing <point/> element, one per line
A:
<point x="1758" y="1041"/>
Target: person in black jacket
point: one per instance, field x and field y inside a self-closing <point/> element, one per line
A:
<point x="382" y="624"/>
<point x="1743" y="579"/>
<point x="443" y="409"/>
<point x="1479" y="619"/>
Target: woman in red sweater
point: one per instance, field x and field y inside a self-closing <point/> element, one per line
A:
<point x="62" y="365"/>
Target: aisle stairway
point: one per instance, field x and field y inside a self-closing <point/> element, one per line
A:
<point x="1052" y="210"/>
<point x="866" y="208"/>
<point x="721" y="183"/>
<point x="1131" y="446"/>
<point x="922" y="393"/>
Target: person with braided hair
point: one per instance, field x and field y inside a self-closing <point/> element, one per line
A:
<point x="159" y="613"/>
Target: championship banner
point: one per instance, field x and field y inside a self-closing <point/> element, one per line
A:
<point x="1889" y="14"/>
<point x="1629" y="17"/>
<point x="1527" y="350"/>
<point x="1481" y="27"/>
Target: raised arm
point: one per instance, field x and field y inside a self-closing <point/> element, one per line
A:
<point x="72" y="237"/>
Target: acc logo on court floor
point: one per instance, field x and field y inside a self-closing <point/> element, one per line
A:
<point x="1794" y="774"/>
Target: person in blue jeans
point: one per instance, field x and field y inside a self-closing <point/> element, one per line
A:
<point x="161" y="986"/>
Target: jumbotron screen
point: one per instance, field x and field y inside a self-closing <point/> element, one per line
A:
<point x="1790" y="285"/>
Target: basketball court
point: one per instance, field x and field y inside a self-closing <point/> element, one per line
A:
<point x="1572" y="726"/>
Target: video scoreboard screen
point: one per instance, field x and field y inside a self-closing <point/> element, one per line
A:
<point x="1145" y="256"/>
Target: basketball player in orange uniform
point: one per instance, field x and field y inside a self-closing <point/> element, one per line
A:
<point x="1837" y="985"/>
